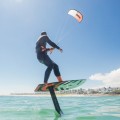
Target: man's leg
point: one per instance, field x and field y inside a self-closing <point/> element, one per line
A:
<point x="50" y="65"/>
<point x="48" y="62"/>
<point x="57" y="72"/>
<point x="47" y="73"/>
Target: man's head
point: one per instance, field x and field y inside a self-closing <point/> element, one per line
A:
<point x="43" y="33"/>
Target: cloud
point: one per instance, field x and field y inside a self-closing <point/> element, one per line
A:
<point x="109" y="79"/>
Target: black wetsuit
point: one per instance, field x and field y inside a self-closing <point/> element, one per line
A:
<point x="44" y="58"/>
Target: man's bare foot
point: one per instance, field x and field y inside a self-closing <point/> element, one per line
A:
<point x="46" y="86"/>
<point x="59" y="79"/>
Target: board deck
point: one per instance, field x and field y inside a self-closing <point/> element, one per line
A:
<point x="65" y="85"/>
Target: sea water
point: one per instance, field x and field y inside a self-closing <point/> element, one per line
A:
<point x="74" y="108"/>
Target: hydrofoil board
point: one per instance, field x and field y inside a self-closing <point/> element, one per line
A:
<point x="65" y="85"/>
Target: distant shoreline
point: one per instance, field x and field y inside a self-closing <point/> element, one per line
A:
<point x="64" y="95"/>
<point x="73" y="92"/>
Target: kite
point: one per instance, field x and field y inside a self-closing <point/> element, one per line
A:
<point x="76" y="14"/>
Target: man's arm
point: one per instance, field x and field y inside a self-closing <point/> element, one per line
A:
<point x="51" y="43"/>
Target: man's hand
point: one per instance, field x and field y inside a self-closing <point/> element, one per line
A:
<point x="51" y="50"/>
<point x="61" y="50"/>
<point x="43" y="48"/>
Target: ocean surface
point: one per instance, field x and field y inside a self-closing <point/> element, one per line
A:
<point x="74" y="108"/>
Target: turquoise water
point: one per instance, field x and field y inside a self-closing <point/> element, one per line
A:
<point x="74" y="108"/>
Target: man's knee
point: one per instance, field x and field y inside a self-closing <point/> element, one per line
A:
<point x="51" y="66"/>
<point x="56" y="66"/>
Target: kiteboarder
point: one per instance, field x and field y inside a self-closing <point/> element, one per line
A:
<point x="43" y="58"/>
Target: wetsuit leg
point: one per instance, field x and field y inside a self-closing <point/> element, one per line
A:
<point x="50" y="65"/>
<point x="47" y="73"/>
<point x="56" y="70"/>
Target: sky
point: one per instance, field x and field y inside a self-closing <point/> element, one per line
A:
<point x="91" y="49"/>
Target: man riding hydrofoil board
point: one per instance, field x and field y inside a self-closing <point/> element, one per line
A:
<point x="43" y="58"/>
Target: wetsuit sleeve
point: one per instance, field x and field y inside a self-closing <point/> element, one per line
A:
<point x="51" y="43"/>
<point x="47" y="49"/>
